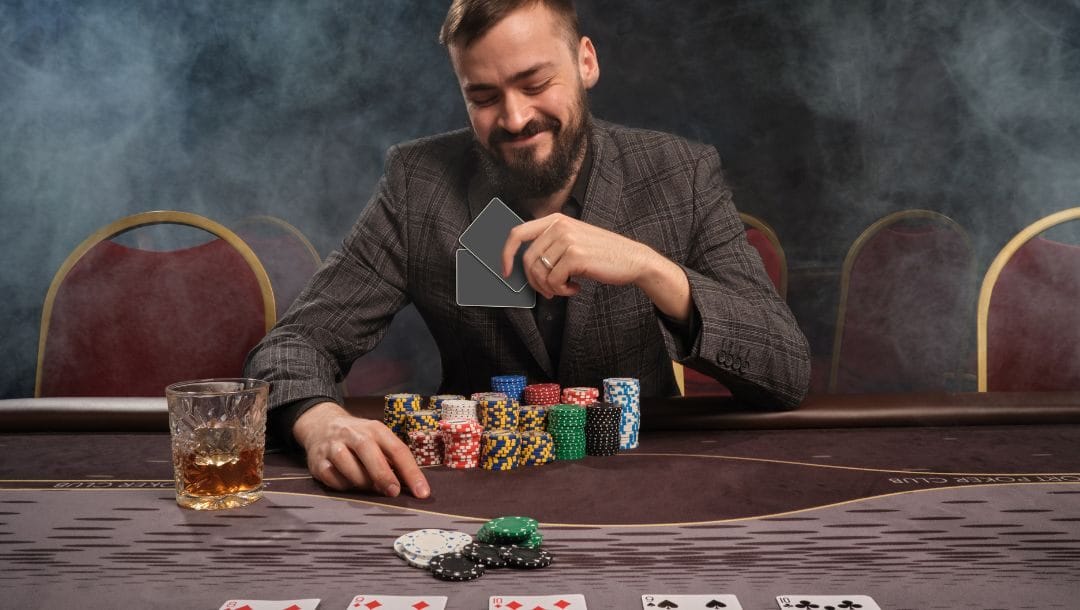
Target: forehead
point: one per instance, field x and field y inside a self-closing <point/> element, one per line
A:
<point x="521" y="41"/>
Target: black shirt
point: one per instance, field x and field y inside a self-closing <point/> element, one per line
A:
<point x="550" y="314"/>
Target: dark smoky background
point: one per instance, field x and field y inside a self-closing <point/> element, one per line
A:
<point x="828" y="115"/>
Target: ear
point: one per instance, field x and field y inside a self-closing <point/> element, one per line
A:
<point x="588" y="64"/>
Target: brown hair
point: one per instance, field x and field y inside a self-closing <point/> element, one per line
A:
<point x="468" y="20"/>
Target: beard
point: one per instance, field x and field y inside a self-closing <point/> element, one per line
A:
<point x="519" y="175"/>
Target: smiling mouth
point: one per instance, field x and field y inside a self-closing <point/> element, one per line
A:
<point x="523" y="140"/>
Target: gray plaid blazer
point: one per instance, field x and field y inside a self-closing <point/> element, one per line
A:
<point x="652" y="187"/>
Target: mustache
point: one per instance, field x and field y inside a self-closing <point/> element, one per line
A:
<point x="533" y="127"/>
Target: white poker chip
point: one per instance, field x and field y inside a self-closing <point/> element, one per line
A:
<point x="419" y="546"/>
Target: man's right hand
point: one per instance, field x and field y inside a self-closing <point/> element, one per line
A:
<point x="344" y="451"/>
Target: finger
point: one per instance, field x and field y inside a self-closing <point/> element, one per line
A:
<point x="550" y="244"/>
<point x="344" y="459"/>
<point x="378" y="469"/>
<point x="403" y="462"/>
<point x="520" y="234"/>
<point x="562" y="267"/>
<point x="325" y="472"/>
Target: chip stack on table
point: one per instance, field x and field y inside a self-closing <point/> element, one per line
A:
<point x="421" y="420"/>
<point x="396" y="409"/>
<point x="517" y="531"/>
<point x="499" y="450"/>
<point x="626" y="392"/>
<point x="427" y="447"/>
<point x="511" y="385"/>
<point x="435" y="402"/>
<point x="566" y="424"/>
<point x="418" y="547"/>
<point x="536" y="448"/>
<point x="543" y="394"/>
<point x="580" y="396"/>
<point x="602" y="424"/>
<point x="458" y="410"/>
<point x="497" y="412"/>
<point x="513" y="542"/>
<point x="532" y="418"/>
<point x="461" y="442"/>
<point x="478" y="396"/>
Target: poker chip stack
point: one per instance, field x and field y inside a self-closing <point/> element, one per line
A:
<point x="536" y="448"/>
<point x="516" y="531"/>
<point x="626" y="393"/>
<point x="543" y="394"/>
<point x="511" y="385"/>
<point x="532" y="418"/>
<point x="602" y="427"/>
<point x="424" y="439"/>
<point x="461" y="442"/>
<point x="497" y="412"/>
<point x="478" y="396"/>
<point x="435" y="402"/>
<point x="580" y="396"/>
<point x="427" y="447"/>
<point x="421" y="420"/>
<point x="566" y="424"/>
<point x="458" y="409"/>
<point x="396" y="409"/>
<point x="419" y="547"/>
<point x="499" y="450"/>
<point x="512" y="542"/>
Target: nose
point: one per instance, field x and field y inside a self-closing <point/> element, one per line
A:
<point x="516" y="113"/>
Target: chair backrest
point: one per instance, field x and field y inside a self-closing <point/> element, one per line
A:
<point x="123" y="321"/>
<point x="1028" y="325"/>
<point x="287" y="255"/>
<point x="763" y="238"/>
<point x="906" y="297"/>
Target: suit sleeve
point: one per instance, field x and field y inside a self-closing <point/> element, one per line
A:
<point x="345" y="309"/>
<point x="744" y="335"/>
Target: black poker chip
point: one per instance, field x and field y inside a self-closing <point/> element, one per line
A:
<point x="488" y="555"/>
<point x="527" y="559"/>
<point x="456" y="567"/>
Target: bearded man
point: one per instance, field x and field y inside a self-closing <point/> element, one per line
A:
<point x="633" y="246"/>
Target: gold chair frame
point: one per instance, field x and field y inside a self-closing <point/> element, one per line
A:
<point x="283" y="224"/>
<point x="770" y="234"/>
<point x="849" y="263"/>
<point x="994" y="272"/>
<point x="146" y="219"/>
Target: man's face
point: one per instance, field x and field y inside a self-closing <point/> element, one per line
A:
<point x="525" y="93"/>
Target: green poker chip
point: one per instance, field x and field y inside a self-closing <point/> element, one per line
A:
<point x="507" y="530"/>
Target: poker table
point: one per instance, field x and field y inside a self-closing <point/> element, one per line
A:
<point x="920" y="501"/>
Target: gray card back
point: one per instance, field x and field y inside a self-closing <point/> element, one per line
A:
<point x="486" y="237"/>
<point x="478" y="287"/>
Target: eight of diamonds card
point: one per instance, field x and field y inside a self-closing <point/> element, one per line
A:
<point x="398" y="602"/>
<point x="657" y="601"/>
<point x="827" y="602"/>
<point x="265" y="604"/>
<point x="537" y="602"/>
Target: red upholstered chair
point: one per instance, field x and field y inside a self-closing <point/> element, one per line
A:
<point x="763" y="238"/>
<point x="906" y="297"/>
<point x="126" y="321"/>
<point x="287" y="255"/>
<point x="1029" y="313"/>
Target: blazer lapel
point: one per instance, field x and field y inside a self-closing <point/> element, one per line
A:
<point x="603" y="197"/>
<point x="521" y="320"/>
